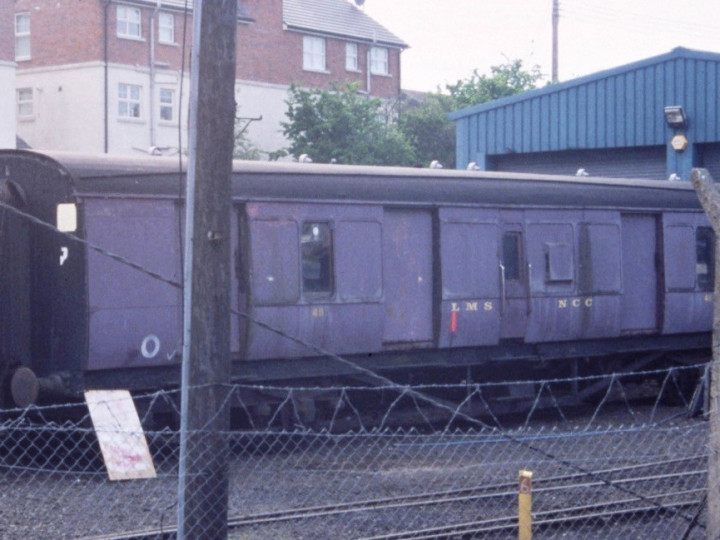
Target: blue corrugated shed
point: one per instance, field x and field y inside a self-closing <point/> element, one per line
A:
<point x="620" y="109"/>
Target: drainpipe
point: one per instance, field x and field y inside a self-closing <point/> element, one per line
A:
<point x="106" y="54"/>
<point x="152" y="73"/>
<point x="367" y="70"/>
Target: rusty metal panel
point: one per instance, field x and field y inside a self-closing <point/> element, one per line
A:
<point x="408" y="275"/>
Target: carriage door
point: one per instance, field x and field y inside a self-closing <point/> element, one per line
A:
<point x="408" y="276"/>
<point x="513" y="277"/>
<point x="639" y="299"/>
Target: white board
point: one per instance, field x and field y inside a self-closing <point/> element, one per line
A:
<point x="122" y="440"/>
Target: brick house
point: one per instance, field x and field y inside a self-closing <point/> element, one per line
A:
<point x="7" y="77"/>
<point x="108" y="75"/>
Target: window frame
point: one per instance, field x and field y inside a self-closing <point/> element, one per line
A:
<point x="512" y="255"/>
<point x="379" y="63"/>
<point x="167" y="28"/>
<point x="125" y="23"/>
<point x="325" y="260"/>
<point x="129" y="101"/>
<point x="165" y="105"/>
<point x="24" y="102"/>
<point x="22" y="36"/>
<point x="352" y="57"/>
<point x="314" y="54"/>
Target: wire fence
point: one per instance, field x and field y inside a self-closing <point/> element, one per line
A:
<point x="628" y="461"/>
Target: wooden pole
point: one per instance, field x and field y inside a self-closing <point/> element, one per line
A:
<point x="710" y="200"/>
<point x="203" y="475"/>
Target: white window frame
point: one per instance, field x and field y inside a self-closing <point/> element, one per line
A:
<point x="314" y="53"/>
<point x="129" y="22"/>
<point x="352" y="57"/>
<point x="166" y="98"/>
<point x="379" y="61"/>
<point x="129" y="101"/>
<point x="25" y="103"/>
<point x="166" y="28"/>
<point x="22" y="36"/>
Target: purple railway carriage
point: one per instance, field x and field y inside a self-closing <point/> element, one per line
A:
<point x="403" y="271"/>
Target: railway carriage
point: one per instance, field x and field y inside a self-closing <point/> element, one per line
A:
<point x="451" y="274"/>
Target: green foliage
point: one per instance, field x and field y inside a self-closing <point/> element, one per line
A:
<point x="506" y="80"/>
<point x="341" y="125"/>
<point x="428" y="130"/>
<point x="426" y="125"/>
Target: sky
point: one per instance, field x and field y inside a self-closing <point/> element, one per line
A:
<point x="449" y="39"/>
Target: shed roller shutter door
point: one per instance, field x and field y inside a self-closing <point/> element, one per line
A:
<point x="646" y="162"/>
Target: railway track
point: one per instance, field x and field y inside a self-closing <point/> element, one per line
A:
<point x="632" y="491"/>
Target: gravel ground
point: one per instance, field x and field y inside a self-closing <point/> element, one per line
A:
<point x="52" y="486"/>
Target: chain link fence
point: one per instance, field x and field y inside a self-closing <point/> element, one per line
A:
<point x="629" y="460"/>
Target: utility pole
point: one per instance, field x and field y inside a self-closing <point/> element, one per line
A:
<point x="203" y="468"/>
<point x="710" y="199"/>
<point x="555" y="24"/>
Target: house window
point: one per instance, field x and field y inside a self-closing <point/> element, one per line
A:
<point x="316" y="253"/>
<point x="379" y="61"/>
<point x="22" y="36"/>
<point x="167" y="104"/>
<point x="128" y="22"/>
<point x="313" y="53"/>
<point x="25" y="102"/>
<point x="351" y="57"/>
<point x="129" y="101"/>
<point x="166" y="28"/>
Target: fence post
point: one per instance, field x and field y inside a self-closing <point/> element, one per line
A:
<point x="525" y="505"/>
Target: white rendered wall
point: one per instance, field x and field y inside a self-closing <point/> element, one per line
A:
<point x="7" y="105"/>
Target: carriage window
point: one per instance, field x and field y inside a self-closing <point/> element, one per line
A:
<point x="511" y="255"/>
<point x="705" y="258"/>
<point x="558" y="262"/>
<point x="316" y="247"/>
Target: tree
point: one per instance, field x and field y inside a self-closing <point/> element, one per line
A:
<point x="426" y="125"/>
<point x="428" y="130"/>
<point x="343" y="126"/>
<point x="506" y="80"/>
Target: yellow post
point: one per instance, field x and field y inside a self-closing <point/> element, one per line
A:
<point x="525" y="505"/>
